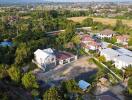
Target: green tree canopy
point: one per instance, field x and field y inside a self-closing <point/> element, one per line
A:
<point x="130" y="85"/>
<point x="22" y="54"/>
<point x="29" y="81"/>
<point x="87" y="22"/>
<point x="128" y="71"/>
<point x="14" y="73"/>
<point x="52" y="94"/>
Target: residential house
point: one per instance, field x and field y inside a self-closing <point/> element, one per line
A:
<point x="123" y="39"/>
<point x="125" y="52"/>
<point x="63" y="57"/>
<point x="88" y="43"/>
<point x="107" y="33"/>
<point x="45" y="58"/>
<point x="50" y="58"/>
<point x="122" y="61"/>
<point x="109" y="54"/>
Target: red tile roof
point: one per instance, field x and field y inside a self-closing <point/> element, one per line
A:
<point x="86" y="38"/>
<point x="63" y="55"/>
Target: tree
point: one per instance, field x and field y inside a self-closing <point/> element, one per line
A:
<point x="87" y="22"/>
<point x="22" y="54"/>
<point x="121" y="28"/>
<point x="128" y="71"/>
<point x="3" y="71"/>
<point x="52" y="94"/>
<point x="14" y="73"/>
<point x="70" y="86"/>
<point x="130" y="41"/>
<point x="102" y="58"/>
<point x="130" y="85"/>
<point x="29" y="81"/>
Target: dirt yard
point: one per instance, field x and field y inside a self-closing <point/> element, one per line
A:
<point x="78" y="69"/>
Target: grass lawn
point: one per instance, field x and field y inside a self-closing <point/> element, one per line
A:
<point x="106" y="21"/>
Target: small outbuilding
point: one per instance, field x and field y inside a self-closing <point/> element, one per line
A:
<point x="83" y="85"/>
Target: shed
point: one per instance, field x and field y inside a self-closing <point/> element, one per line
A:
<point x="83" y="85"/>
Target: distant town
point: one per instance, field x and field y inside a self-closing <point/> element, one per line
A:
<point x="66" y="50"/>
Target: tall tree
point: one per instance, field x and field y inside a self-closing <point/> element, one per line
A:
<point x="14" y="73"/>
<point x="52" y="94"/>
<point x="22" y="54"/>
<point x="29" y="81"/>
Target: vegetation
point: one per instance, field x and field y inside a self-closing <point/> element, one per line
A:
<point x="52" y="94"/>
<point x="130" y="85"/>
<point x="29" y="81"/>
<point x="15" y="74"/>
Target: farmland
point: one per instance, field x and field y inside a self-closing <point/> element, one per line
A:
<point x="106" y="21"/>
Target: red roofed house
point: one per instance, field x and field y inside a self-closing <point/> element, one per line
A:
<point x="89" y="44"/>
<point x="107" y="33"/>
<point x="50" y="58"/>
<point x="123" y="39"/>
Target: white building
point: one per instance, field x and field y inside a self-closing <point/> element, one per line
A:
<point x="45" y="57"/>
<point x="125" y="52"/>
<point x="109" y="54"/>
<point x="123" y="61"/>
<point x="107" y="33"/>
<point x="50" y="58"/>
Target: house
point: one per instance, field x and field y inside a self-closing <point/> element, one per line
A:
<point x="107" y="33"/>
<point x="83" y="85"/>
<point x="63" y="57"/>
<point x="50" y="58"/>
<point x="88" y="43"/>
<point x="86" y="38"/>
<point x="109" y="54"/>
<point x="125" y="52"/>
<point x="122" y="61"/>
<point x="45" y="57"/>
<point x="122" y="39"/>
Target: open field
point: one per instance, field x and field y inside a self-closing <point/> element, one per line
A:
<point x="106" y="21"/>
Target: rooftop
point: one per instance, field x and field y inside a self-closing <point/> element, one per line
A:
<point x="83" y="84"/>
<point x="62" y="55"/>
<point x="107" y="32"/>
<point x="111" y="52"/>
<point x="125" y="51"/>
<point x="125" y="59"/>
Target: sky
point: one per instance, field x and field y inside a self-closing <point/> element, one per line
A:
<point x="13" y="1"/>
